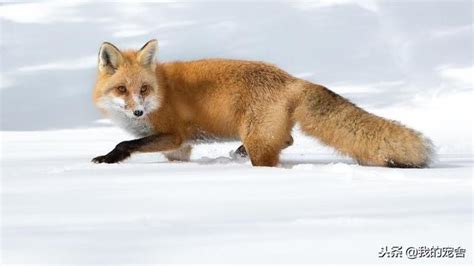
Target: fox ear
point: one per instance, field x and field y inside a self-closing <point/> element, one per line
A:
<point x="110" y="58"/>
<point x="146" y="54"/>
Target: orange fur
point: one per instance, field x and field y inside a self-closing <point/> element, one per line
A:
<point x="259" y="104"/>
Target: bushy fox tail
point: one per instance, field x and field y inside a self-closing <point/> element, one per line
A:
<point x="369" y="139"/>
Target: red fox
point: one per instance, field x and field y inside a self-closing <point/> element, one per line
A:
<point x="170" y="106"/>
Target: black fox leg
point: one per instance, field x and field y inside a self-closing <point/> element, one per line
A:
<point x="153" y="143"/>
<point x="242" y="152"/>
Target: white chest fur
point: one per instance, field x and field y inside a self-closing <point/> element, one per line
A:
<point x="139" y="127"/>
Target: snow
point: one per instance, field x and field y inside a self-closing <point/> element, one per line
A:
<point x="315" y="207"/>
<point x="60" y="208"/>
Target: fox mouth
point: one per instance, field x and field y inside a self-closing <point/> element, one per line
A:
<point x="143" y="117"/>
<point x="132" y="116"/>
<point x="119" y="107"/>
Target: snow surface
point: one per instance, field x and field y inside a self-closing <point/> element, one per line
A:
<point x="405" y="60"/>
<point x="57" y="207"/>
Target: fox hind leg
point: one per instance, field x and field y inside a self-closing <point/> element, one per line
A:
<point x="264" y="136"/>
<point x="242" y="152"/>
<point x="261" y="153"/>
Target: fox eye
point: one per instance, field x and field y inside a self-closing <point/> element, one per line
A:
<point x="122" y="89"/>
<point x="144" y="88"/>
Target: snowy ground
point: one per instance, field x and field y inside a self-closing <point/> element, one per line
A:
<point x="317" y="207"/>
<point x="411" y="61"/>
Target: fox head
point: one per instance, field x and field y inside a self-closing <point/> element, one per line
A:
<point x="127" y="83"/>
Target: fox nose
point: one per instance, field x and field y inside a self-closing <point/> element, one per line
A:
<point x="138" y="113"/>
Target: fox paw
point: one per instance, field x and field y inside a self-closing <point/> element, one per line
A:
<point x="241" y="151"/>
<point x="112" y="157"/>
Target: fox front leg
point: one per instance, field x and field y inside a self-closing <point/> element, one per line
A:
<point x="153" y="143"/>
